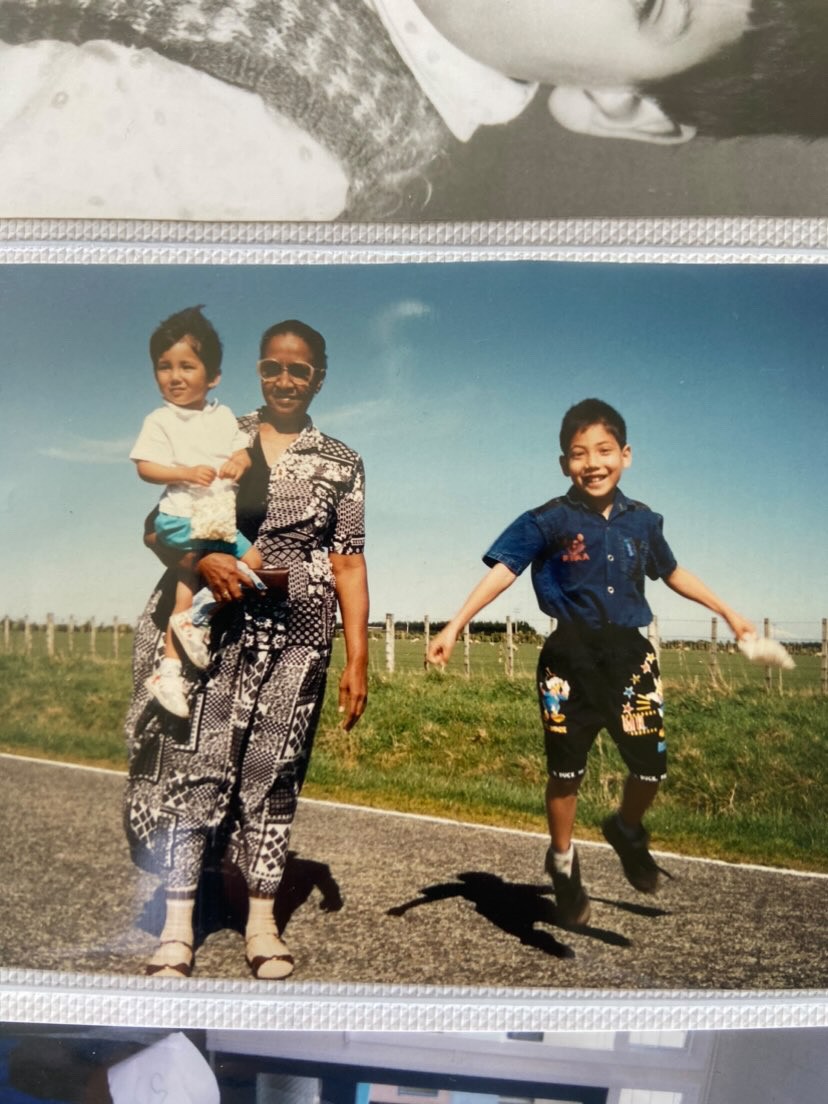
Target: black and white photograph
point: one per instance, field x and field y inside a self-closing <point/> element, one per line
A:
<point x="415" y="625"/>
<point x="412" y="110"/>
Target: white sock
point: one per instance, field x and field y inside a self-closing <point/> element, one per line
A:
<point x="562" y="860"/>
<point x="168" y="667"/>
<point x="178" y="928"/>
<point x="260" y="918"/>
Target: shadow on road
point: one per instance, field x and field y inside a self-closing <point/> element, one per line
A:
<point x="221" y="899"/>
<point x="515" y="908"/>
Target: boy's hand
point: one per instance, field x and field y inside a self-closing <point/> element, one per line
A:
<point x="740" y="626"/>
<point x="235" y="467"/>
<point x="441" y="647"/>
<point x="202" y="475"/>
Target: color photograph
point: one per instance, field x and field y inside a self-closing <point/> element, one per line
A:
<point x="88" y="1065"/>
<point x="412" y="110"/>
<point x="364" y="612"/>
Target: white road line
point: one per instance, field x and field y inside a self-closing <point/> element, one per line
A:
<point x="449" y="822"/>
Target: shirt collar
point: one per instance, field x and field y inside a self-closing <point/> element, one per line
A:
<point x="620" y="502"/>
<point x="185" y="415"/>
<point x="466" y="93"/>
<point x="309" y="435"/>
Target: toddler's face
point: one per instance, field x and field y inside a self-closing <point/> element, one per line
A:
<point x="182" y="377"/>
<point x="599" y="43"/>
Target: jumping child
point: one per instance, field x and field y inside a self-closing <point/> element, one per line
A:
<point x="590" y="551"/>
<point x="187" y="445"/>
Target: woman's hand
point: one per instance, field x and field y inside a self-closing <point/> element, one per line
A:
<point x="351" y="579"/>
<point x="353" y="693"/>
<point x="220" y="574"/>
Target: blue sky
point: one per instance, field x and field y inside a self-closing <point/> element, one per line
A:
<point x="451" y="380"/>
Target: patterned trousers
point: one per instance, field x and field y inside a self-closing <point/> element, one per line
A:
<point x="231" y="776"/>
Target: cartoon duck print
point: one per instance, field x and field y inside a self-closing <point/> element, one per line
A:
<point x="554" y="690"/>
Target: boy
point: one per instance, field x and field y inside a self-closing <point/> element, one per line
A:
<point x="590" y="551"/>
<point x="187" y="445"/>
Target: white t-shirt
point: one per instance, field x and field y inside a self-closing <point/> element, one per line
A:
<point x="108" y="131"/>
<point x="177" y="437"/>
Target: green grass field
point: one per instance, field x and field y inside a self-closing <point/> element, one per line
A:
<point x="748" y="768"/>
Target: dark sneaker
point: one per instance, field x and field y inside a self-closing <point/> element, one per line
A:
<point x="639" y="865"/>
<point x="572" y="903"/>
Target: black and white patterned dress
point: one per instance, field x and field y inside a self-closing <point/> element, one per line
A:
<point x="232" y="774"/>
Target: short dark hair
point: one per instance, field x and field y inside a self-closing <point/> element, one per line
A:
<point x="771" y="81"/>
<point x="188" y="325"/>
<point x="589" y="412"/>
<point x="312" y="338"/>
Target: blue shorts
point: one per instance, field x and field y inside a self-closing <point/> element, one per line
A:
<point x="174" y="532"/>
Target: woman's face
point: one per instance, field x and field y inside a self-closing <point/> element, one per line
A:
<point x="285" y="394"/>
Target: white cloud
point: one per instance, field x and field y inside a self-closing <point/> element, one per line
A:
<point x="89" y="450"/>
<point x="402" y="311"/>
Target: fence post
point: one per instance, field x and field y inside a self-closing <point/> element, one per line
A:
<point x="6" y="635"/>
<point x="70" y="635"/>
<point x="824" y="663"/>
<point x="50" y="635"/>
<point x="389" y="642"/>
<point x="467" y="651"/>
<point x="93" y="633"/>
<point x="115" y="630"/>
<point x="714" y="659"/>
<point x="27" y="637"/>
<point x="426" y="639"/>
<point x="510" y="650"/>
<point x="766" y="630"/>
<point x="654" y="640"/>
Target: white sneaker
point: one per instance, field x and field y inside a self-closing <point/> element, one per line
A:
<point x="168" y="691"/>
<point x="193" y="640"/>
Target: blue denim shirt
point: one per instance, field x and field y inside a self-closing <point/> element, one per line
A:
<point x="588" y="569"/>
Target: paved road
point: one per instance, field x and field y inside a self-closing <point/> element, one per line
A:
<point x="382" y="898"/>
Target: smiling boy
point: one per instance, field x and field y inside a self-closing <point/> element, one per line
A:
<point x="590" y="551"/>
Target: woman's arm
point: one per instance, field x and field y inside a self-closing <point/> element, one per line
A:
<point x="493" y="583"/>
<point x="351" y="579"/>
<point x="686" y="584"/>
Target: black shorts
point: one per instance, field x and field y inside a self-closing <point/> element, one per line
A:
<point x="593" y="680"/>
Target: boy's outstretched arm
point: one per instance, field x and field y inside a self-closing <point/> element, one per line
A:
<point x="493" y="583"/>
<point x="686" y="584"/>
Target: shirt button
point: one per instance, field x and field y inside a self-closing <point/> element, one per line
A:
<point x="610" y="590"/>
<point x="610" y="558"/>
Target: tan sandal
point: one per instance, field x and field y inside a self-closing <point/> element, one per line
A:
<point x="280" y="957"/>
<point x="169" y="969"/>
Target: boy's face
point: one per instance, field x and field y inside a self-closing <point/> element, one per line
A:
<point x="182" y="377"/>
<point x="601" y="43"/>
<point x="595" y="462"/>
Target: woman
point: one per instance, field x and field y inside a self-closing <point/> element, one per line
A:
<point x="233" y="774"/>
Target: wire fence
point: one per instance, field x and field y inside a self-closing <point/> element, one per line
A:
<point x="402" y="646"/>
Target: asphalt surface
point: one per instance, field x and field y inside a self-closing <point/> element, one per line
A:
<point x="387" y="899"/>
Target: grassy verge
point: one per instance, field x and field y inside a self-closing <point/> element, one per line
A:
<point x="748" y="769"/>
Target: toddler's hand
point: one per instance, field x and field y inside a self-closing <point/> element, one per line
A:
<point x="202" y="475"/>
